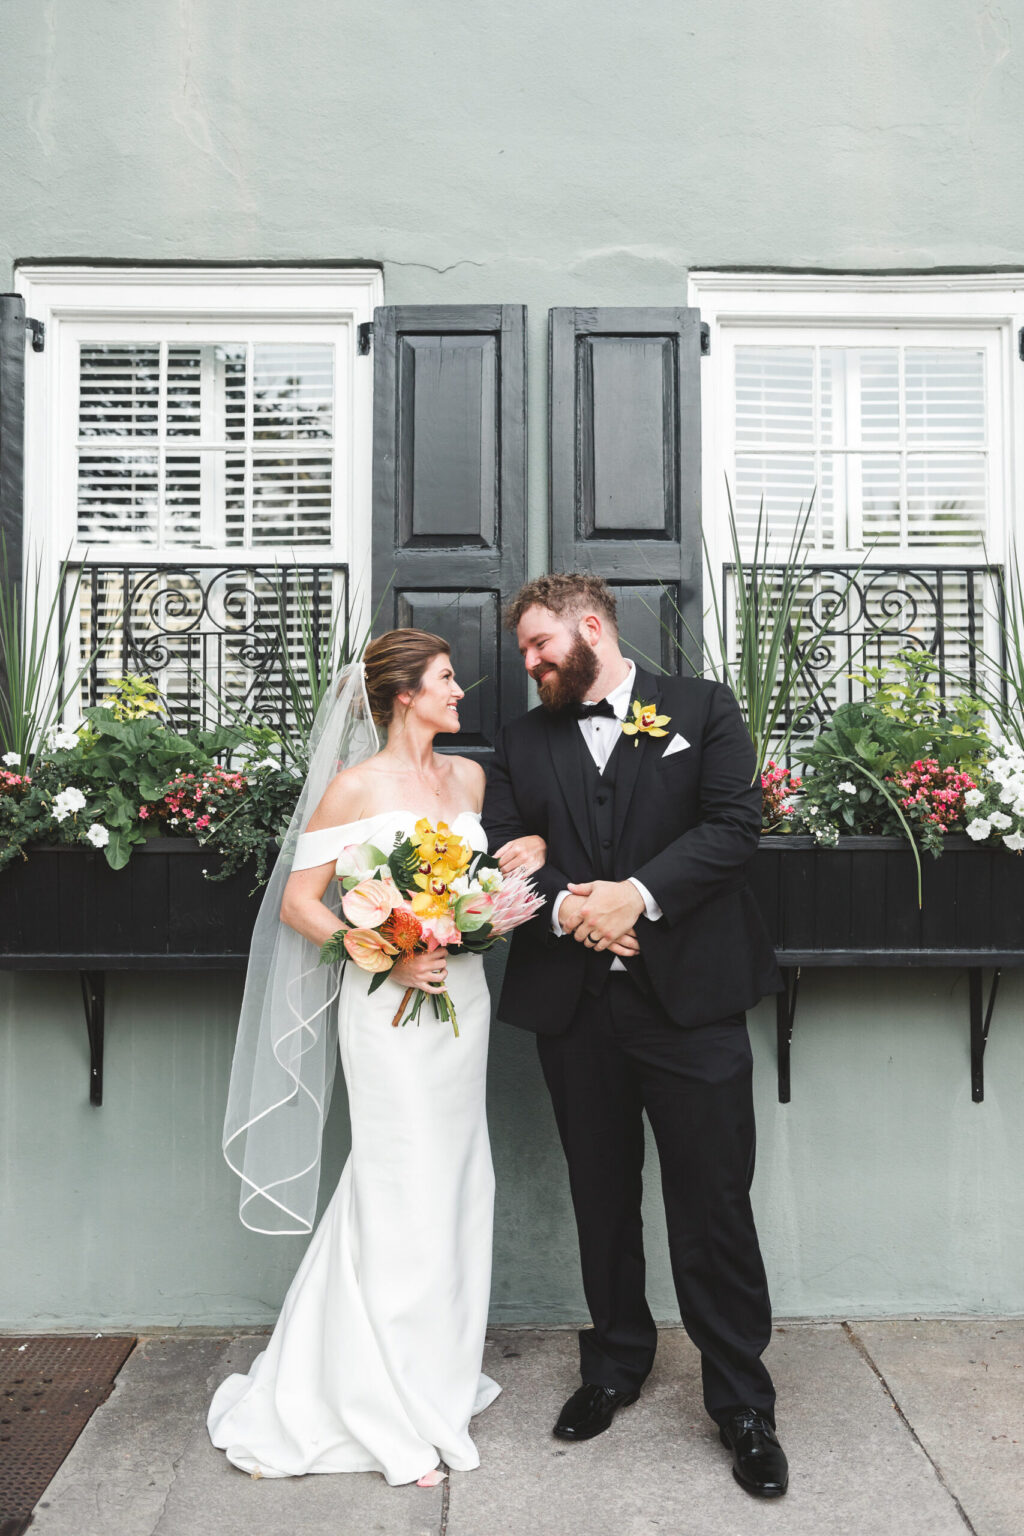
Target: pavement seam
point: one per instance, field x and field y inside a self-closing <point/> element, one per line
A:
<point x="862" y="1350"/>
<point x="446" y="1494"/>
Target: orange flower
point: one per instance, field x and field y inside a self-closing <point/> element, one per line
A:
<point x="404" y="930"/>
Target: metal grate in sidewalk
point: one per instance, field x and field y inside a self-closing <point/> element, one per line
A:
<point x="49" y="1388"/>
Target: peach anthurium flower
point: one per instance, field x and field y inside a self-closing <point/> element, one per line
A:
<point x="369" y="903"/>
<point x="369" y="950"/>
<point x="646" y="721"/>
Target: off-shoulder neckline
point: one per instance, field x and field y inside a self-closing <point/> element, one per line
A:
<point x="363" y="821"/>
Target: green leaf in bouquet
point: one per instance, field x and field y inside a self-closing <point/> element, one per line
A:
<point x="334" y="949"/>
<point x="403" y="862"/>
<point x="380" y="977"/>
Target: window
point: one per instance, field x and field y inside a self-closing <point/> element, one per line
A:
<point x="199" y="441"/>
<point x="891" y="403"/>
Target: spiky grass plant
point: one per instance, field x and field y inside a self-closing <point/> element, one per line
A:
<point x="767" y="667"/>
<point x="35" y="686"/>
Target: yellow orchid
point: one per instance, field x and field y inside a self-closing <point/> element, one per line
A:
<point x="440" y="846"/>
<point x="645" y="722"/>
<point x="434" y="899"/>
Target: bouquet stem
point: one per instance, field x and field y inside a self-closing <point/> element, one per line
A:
<point x="401" y="1007"/>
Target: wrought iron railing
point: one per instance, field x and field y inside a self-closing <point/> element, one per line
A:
<point x="210" y="637"/>
<point x="849" y="618"/>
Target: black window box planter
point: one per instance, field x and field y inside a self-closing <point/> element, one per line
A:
<point x="65" y="909"/>
<point x="859" y="899"/>
<point x="856" y="905"/>
<point x="853" y="905"/>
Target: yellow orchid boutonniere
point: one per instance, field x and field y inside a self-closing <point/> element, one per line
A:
<point x="645" y="722"/>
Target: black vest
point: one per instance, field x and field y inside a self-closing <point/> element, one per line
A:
<point x="599" y="797"/>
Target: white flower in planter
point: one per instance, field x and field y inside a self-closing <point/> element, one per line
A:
<point x="847" y="788"/>
<point x="63" y="741"/>
<point x="98" y="835"/>
<point x="973" y="797"/>
<point x="12" y="759"/>
<point x="1014" y="841"/>
<point x="67" y="802"/>
<point x="979" y="828"/>
<point x="1000" y="821"/>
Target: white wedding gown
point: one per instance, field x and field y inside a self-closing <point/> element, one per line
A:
<point x="374" y="1364"/>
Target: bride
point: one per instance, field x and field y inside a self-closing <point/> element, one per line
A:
<point x="374" y="1364"/>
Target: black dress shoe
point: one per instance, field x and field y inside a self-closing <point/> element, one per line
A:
<point x="590" y="1411"/>
<point x="758" y="1461"/>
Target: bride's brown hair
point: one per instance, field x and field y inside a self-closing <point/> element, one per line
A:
<point x="395" y="663"/>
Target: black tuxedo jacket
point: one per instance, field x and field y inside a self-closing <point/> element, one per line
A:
<point x="686" y="825"/>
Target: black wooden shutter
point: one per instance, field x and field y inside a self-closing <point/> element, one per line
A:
<point x="12" y="426"/>
<point x="449" y="491"/>
<point x="625" y="468"/>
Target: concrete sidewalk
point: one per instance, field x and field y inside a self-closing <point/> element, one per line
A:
<point x="892" y="1429"/>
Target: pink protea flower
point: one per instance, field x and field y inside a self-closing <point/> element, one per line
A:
<point x="515" y="903"/>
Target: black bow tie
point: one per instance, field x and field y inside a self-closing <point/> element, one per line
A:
<point x="588" y="711"/>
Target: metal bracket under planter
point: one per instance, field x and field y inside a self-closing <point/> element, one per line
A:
<point x="94" y="995"/>
<point x="980" y="1016"/>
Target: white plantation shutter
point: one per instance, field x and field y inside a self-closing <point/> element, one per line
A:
<point x="892" y="438"/>
<point x="220" y="445"/>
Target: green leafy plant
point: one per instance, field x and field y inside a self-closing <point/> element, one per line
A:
<point x="116" y="781"/>
<point x="870" y="764"/>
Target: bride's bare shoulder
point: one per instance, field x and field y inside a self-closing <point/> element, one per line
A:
<point x="343" y="799"/>
<point x="472" y="779"/>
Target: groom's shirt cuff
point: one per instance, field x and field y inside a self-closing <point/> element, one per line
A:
<point x="556" y="927"/>
<point x="651" y="909"/>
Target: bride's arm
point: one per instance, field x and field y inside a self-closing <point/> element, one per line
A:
<point x="302" y="906"/>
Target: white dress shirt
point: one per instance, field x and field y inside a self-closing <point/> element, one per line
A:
<point x="601" y="732"/>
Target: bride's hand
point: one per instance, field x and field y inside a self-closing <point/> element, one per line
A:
<point x="428" y="972"/>
<point x="522" y="853"/>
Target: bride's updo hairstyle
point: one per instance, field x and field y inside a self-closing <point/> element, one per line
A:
<point x="395" y="663"/>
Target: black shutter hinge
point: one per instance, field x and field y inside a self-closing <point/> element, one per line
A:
<point x="1020" y="343"/>
<point x="705" y="339"/>
<point x="37" y="330"/>
<point x="365" y="335"/>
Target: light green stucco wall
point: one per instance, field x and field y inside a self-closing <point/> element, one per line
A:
<point x="549" y="153"/>
<point x="880" y="1188"/>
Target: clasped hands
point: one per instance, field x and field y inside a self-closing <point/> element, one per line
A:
<point x="599" y="914"/>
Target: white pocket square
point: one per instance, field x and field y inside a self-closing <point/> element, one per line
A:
<point x="677" y="744"/>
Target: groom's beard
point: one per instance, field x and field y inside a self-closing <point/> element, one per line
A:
<point x="570" y="682"/>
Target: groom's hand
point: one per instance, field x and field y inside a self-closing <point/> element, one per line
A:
<point x="609" y="911"/>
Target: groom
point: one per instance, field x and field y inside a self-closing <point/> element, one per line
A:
<point x="635" y="978"/>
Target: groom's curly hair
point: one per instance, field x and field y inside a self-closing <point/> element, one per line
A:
<point x="566" y="593"/>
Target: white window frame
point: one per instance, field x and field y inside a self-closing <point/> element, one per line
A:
<point x="794" y="306"/>
<point x="66" y="298"/>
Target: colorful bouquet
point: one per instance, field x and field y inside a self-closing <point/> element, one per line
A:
<point x="433" y="891"/>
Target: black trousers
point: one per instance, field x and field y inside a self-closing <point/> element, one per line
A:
<point x="622" y="1056"/>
